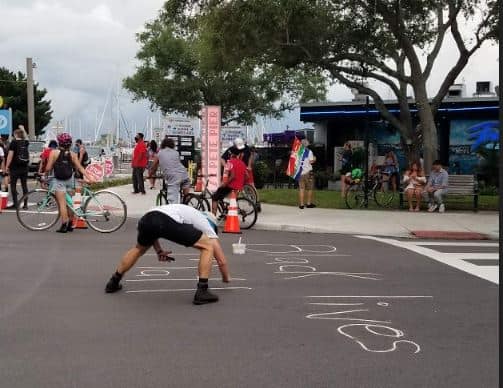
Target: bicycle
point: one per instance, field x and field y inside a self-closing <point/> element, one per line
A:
<point x="190" y="199"/>
<point x="247" y="209"/>
<point x="377" y="188"/>
<point x="104" y="211"/>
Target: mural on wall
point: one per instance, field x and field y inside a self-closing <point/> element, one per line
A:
<point x="464" y="138"/>
<point x="486" y="134"/>
<point x="388" y="139"/>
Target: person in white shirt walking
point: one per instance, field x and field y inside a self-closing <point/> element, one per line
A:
<point x="183" y="225"/>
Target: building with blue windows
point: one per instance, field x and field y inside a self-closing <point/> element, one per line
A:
<point x="338" y="122"/>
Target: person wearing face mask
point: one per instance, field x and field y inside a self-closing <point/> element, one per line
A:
<point x="139" y="163"/>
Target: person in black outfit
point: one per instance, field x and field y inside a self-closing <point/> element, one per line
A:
<point x="17" y="164"/>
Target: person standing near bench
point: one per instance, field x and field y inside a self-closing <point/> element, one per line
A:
<point x="436" y="187"/>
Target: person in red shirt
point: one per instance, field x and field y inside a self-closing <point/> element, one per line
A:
<point x="235" y="181"/>
<point x="139" y="162"/>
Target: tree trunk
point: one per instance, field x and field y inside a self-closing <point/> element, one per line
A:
<point x="428" y="127"/>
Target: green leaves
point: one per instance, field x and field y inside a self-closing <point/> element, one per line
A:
<point x="13" y="90"/>
<point x="181" y="69"/>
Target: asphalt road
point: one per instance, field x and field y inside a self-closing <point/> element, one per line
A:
<point x="303" y="310"/>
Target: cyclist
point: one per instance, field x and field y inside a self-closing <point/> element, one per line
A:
<point x="183" y="225"/>
<point x="174" y="172"/>
<point x="235" y="181"/>
<point x="62" y="162"/>
<point x="351" y="178"/>
<point x="247" y="156"/>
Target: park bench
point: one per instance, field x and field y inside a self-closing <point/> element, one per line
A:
<point x="459" y="185"/>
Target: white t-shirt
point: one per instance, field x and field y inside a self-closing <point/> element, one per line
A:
<point x="306" y="163"/>
<point x="2" y="154"/>
<point x="187" y="215"/>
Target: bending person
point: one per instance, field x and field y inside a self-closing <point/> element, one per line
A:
<point x="183" y="225"/>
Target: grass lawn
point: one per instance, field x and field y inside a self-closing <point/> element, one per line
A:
<point x="332" y="200"/>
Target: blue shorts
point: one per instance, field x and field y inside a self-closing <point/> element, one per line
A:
<point x="62" y="185"/>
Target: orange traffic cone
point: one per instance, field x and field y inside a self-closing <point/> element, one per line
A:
<point x="232" y="219"/>
<point x="199" y="182"/>
<point x="78" y="222"/>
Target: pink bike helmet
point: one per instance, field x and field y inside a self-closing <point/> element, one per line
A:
<point x="64" y="139"/>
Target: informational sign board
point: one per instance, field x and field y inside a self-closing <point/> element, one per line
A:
<point x="180" y="126"/>
<point x="210" y="147"/>
<point x="229" y="133"/>
<point x="5" y="122"/>
<point x="97" y="171"/>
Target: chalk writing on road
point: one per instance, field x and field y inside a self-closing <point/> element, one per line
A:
<point x="372" y="335"/>
<point x="375" y="336"/>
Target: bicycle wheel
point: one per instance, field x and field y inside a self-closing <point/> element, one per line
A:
<point x="197" y="202"/>
<point x="38" y="210"/>
<point x="355" y="197"/>
<point x="383" y="195"/>
<point x="161" y="200"/>
<point x="250" y="192"/>
<point x="247" y="213"/>
<point x="105" y="211"/>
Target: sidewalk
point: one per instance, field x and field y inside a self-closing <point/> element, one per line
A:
<point x="392" y="223"/>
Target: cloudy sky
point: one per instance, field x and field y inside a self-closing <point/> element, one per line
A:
<point x="83" y="50"/>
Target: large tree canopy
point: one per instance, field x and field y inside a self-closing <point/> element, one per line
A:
<point x="13" y="91"/>
<point x="177" y="73"/>
<point x="389" y="42"/>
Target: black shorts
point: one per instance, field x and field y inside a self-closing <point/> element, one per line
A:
<point x="221" y="193"/>
<point x="155" y="225"/>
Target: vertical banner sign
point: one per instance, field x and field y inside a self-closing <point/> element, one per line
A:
<point x="210" y="151"/>
<point x="204" y="143"/>
<point x="5" y="122"/>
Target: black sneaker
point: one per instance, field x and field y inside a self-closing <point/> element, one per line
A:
<point x="310" y="205"/>
<point x="113" y="285"/>
<point x="63" y="228"/>
<point x="203" y="296"/>
<point x="301" y="206"/>
<point x="69" y="226"/>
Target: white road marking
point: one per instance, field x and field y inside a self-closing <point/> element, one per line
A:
<point x="371" y="296"/>
<point x="456" y="260"/>
<point x="188" y="289"/>
<point x="190" y="279"/>
<point x="457" y="244"/>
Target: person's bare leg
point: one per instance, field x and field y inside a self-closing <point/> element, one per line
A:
<point x="410" y="194"/>
<point x="418" y="199"/>
<point x="309" y="197"/>
<point x="60" y="198"/>
<point x="205" y="247"/>
<point x="343" y="186"/>
<point x="214" y="206"/>
<point x="203" y="295"/>
<point x="301" y="197"/>
<point x="130" y="258"/>
<point x="221" y="260"/>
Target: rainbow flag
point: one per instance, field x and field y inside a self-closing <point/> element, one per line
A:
<point x="297" y="156"/>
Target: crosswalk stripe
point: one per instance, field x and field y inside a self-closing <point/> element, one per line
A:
<point x="456" y="260"/>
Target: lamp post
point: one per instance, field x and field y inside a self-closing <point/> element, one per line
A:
<point x="30" y="97"/>
<point x="366" y="156"/>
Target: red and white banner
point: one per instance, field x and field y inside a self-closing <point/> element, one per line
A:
<point x="210" y="147"/>
<point x="108" y="167"/>
<point x="97" y="171"/>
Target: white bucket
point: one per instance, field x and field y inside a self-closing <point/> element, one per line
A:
<point x="239" y="249"/>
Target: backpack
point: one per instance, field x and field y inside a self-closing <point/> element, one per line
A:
<point x="22" y="155"/>
<point x="63" y="167"/>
